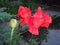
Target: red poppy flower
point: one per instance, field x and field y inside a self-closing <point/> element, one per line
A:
<point x="39" y="19"/>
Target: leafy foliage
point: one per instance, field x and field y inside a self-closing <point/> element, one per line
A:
<point x="5" y="29"/>
<point x="31" y="4"/>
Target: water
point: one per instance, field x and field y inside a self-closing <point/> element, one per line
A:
<point x="53" y="38"/>
<point x="52" y="12"/>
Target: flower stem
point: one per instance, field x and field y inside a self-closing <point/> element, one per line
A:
<point x="31" y="41"/>
<point x="11" y="38"/>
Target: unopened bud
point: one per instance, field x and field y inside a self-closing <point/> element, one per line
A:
<point x="13" y="23"/>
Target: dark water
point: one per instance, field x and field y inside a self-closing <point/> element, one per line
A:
<point x="53" y="38"/>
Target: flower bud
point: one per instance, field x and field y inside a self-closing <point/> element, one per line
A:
<point x="13" y="23"/>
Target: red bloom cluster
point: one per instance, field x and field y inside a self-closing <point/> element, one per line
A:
<point x="39" y="19"/>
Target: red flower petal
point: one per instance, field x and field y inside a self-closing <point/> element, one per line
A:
<point x="23" y="14"/>
<point x="47" y="20"/>
<point x="38" y="17"/>
<point x="37" y="21"/>
<point x="33" y="30"/>
<point x="38" y="13"/>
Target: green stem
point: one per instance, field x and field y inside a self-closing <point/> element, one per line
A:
<point x="11" y="38"/>
<point x="31" y="42"/>
<point x="18" y="38"/>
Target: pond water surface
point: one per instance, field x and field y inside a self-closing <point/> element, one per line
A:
<point x="53" y="38"/>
